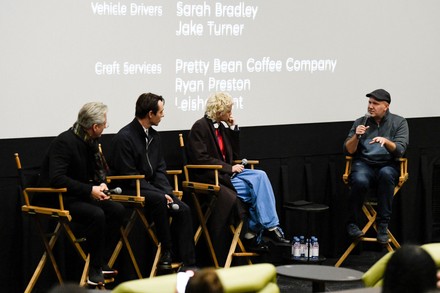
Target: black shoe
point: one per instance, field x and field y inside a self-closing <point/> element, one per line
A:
<point x="108" y="272"/>
<point x="184" y="268"/>
<point x="276" y="235"/>
<point x="253" y="246"/>
<point x="165" y="260"/>
<point x="95" y="278"/>
<point x="382" y="233"/>
<point x="354" y="231"/>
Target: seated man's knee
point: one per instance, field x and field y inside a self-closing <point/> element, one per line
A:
<point x="387" y="174"/>
<point x="359" y="180"/>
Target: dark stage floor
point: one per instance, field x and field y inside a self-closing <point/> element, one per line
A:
<point x="361" y="262"/>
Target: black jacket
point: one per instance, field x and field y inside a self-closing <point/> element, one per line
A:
<point x="131" y="156"/>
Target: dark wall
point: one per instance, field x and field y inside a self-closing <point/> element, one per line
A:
<point x="303" y="161"/>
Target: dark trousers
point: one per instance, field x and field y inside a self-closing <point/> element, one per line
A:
<point x="363" y="178"/>
<point x="180" y="232"/>
<point x="102" y="220"/>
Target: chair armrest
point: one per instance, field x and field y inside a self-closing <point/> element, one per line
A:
<point x="348" y="160"/>
<point x="176" y="190"/>
<point x="403" y="171"/>
<point x="45" y="189"/>
<point x="124" y="177"/>
<point x="202" y="186"/>
<point x="212" y="167"/>
<point x="134" y="199"/>
<point x="33" y="209"/>
<point x="128" y="198"/>
<point x="251" y="163"/>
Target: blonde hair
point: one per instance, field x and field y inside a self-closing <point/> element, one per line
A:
<point x="218" y="103"/>
<point x="92" y="113"/>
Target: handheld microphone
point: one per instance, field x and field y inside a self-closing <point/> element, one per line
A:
<point x="244" y="162"/>
<point x="364" y="122"/>
<point x="173" y="206"/>
<point x="116" y="190"/>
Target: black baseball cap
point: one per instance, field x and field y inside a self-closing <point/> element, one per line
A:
<point x="380" y="95"/>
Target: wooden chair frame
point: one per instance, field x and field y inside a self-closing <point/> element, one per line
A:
<point x="63" y="218"/>
<point x="370" y="212"/>
<point x="237" y="248"/>
<point x="137" y="202"/>
<point x="197" y="189"/>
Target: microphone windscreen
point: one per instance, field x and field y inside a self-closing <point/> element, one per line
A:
<point x="244" y="162"/>
<point x="367" y="115"/>
<point x="117" y="190"/>
<point x="173" y="206"/>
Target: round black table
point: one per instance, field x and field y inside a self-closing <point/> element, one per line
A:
<point x="319" y="274"/>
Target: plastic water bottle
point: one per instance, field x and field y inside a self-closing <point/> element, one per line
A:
<point x="315" y="249"/>
<point x="302" y="246"/>
<point x="308" y="253"/>
<point x="296" y="254"/>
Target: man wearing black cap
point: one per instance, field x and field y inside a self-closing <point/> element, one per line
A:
<point x="375" y="141"/>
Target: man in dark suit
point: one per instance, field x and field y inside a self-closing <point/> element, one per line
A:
<point x="137" y="149"/>
<point x="74" y="161"/>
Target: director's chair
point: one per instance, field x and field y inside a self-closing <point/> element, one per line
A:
<point x="370" y="212"/>
<point x="204" y="197"/>
<point x="28" y="177"/>
<point x="137" y="203"/>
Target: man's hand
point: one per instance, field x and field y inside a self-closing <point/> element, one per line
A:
<point x="169" y="198"/>
<point x="98" y="194"/>
<point x="379" y="139"/>
<point x="361" y="129"/>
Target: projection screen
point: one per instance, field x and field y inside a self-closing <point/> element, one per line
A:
<point x="284" y="62"/>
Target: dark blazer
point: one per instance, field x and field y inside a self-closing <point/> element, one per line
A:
<point x="69" y="163"/>
<point x="203" y="148"/>
<point x="128" y="157"/>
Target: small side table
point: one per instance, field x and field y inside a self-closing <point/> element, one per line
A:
<point x="307" y="207"/>
<point x="319" y="274"/>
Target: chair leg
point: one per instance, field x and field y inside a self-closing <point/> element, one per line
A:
<point x="237" y="241"/>
<point x="204" y="228"/>
<point x="74" y="241"/>
<point x="124" y="241"/>
<point x="156" y="261"/>
<point x="347" y="253"/>
<point x="233" y="244"/>
<point x="83" y="281"/>
<point x="393" y="240"/>
<point x="156" y="242"/>
<point x="371" y="215"/>
<point x="48" y="252"/>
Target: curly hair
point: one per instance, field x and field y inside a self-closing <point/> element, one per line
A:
<point x="218" y="103"/>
